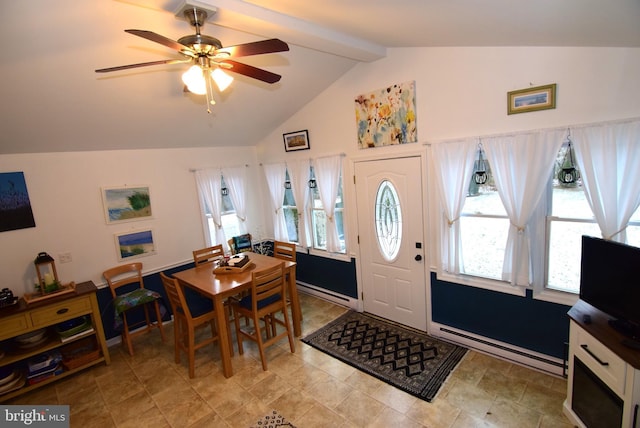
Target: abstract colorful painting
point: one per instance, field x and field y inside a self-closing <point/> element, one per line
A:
<point x="15" y="206"/>
<point x="387" y="116"/>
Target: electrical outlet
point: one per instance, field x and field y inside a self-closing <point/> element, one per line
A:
<point x="64" y="257"/>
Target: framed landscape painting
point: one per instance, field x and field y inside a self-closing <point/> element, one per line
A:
<point x="134" y="244"/>
<point x="123" y="204"/>
<point x="298" y="140"/>
<point x="531" y="99"/>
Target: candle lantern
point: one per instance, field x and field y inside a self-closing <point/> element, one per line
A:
<point x="46" y="270"/>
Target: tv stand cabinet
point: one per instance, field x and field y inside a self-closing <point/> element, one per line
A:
<point x="600" y="348"/>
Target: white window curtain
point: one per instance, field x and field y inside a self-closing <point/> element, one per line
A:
<point x="608" y="156"/>
<point x="453" y="166"/>
<point x="276" y="175"/>
<point x="299" y="178"/>
<point x="327" y="171"/>
<point x="209" y="184"/>
<point x="521" y="166"/>
<point x="234" y="178"/>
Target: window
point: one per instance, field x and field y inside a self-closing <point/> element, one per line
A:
<point x="484" y="227"/>
<point x="319" y="220"/>
<point x="555" y="227"/>
<point x="230" y="221"/>
<point x="388" y="218"/>
<point x="570" y="217"/>
<point x="290" y="212"/>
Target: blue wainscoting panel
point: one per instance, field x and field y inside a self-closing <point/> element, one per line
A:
<point x="330" y="274"/>
<point x="521" y="321"/>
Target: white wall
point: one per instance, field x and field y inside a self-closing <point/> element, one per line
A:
<point x="463" y="92"/>
<point x="66" y="198"/>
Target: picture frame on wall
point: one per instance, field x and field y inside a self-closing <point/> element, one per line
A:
<point x="126" y="203"/>
<point x="298" y="140"/>
<point x="531" y="99"/>
<point x="134" y="244"/>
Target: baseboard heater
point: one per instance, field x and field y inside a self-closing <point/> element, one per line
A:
<point x="501" y="350"/>
<point x="322" y="293"/>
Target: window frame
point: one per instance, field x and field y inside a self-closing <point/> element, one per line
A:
<point x="313" y="249"/>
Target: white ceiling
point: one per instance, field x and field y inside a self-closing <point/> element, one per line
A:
<point x="52" y="100"/>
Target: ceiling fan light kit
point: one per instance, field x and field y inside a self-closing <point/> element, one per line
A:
<point x="208" y="56"/>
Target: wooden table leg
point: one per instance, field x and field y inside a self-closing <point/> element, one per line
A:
<point x="295" y="302"/>
<point x="223" y="336"/>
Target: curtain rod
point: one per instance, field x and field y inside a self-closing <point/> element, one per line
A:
<point x="215" y="167"/>
<point x="529" y="131"/>
<point x="310" y="159"/>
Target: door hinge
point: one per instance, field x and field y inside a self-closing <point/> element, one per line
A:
<point x="362" y="295"/>
<point x="354" y="179"/>
<point x="358" y="239"/>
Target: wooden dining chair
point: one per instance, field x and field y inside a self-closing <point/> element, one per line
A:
<point x="186" y="320"/>
<point x="241" y="243"/>
<point x="125" y="300"/>
<point x="207" y="255"/>
<point x="267" y="299"/>
<point x="286" y="251"/>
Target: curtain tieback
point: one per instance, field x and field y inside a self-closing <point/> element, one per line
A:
<point x="519" y="228"/>
<point x="450" y="222"/>
<point x="610" y="237"/>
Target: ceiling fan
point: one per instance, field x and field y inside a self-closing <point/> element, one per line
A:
<point x="209" y="58"/>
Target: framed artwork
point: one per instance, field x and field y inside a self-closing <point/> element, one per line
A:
<point x="15" y="206"/>
<point x="531" y="99"/>
<point x="298" y="140"/>
<point x="123" y="204"/>
<point x="387" y="116"/>
<point x="134" y="244"/>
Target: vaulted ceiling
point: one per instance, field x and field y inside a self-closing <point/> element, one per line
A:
<point x="52" y="100"/>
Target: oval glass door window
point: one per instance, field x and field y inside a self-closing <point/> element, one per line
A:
<point x="388" y="218"/>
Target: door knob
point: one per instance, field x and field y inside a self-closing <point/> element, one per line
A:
<point x="418" y="257"/>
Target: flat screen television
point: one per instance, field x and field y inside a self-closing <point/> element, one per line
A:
<point x="610" y="281"/>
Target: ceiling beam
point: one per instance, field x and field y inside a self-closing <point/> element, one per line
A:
<point x="249" y="18"/>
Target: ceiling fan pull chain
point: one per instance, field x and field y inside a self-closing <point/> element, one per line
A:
<point x="210" y="100"/>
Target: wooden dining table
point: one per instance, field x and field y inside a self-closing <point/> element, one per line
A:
<point x="219" y="287"/>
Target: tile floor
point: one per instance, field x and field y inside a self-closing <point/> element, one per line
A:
<point x="309" y="388"/>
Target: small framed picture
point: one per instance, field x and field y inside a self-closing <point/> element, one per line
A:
<point x="298" y="140"/>
<point x="531" y="99"/>
<point x="134" y="244"/>
<point x="122" y="204"/>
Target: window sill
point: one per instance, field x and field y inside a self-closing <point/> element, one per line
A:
<point x="559" y="297"/>
<point x="334" y="256"/>
<point x="487" y="284"/>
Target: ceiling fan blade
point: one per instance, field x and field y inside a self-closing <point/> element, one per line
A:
<point x="250" y="71"/>
<point x="154" y="37"/>
<point x="255" y="48"/>
<point x="142" y="64"/>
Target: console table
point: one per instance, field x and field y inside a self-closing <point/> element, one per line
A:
<point x="23" y="318"/>
<point x="600" y="365"/>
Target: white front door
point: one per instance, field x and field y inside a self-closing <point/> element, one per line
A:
<point x="390" y="230"/>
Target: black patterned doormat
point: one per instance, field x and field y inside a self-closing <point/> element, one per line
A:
<point x="405" y="358"/>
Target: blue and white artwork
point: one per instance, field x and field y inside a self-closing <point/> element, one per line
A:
<point x="135" y="244"/>
<point x="15" y="206"/>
